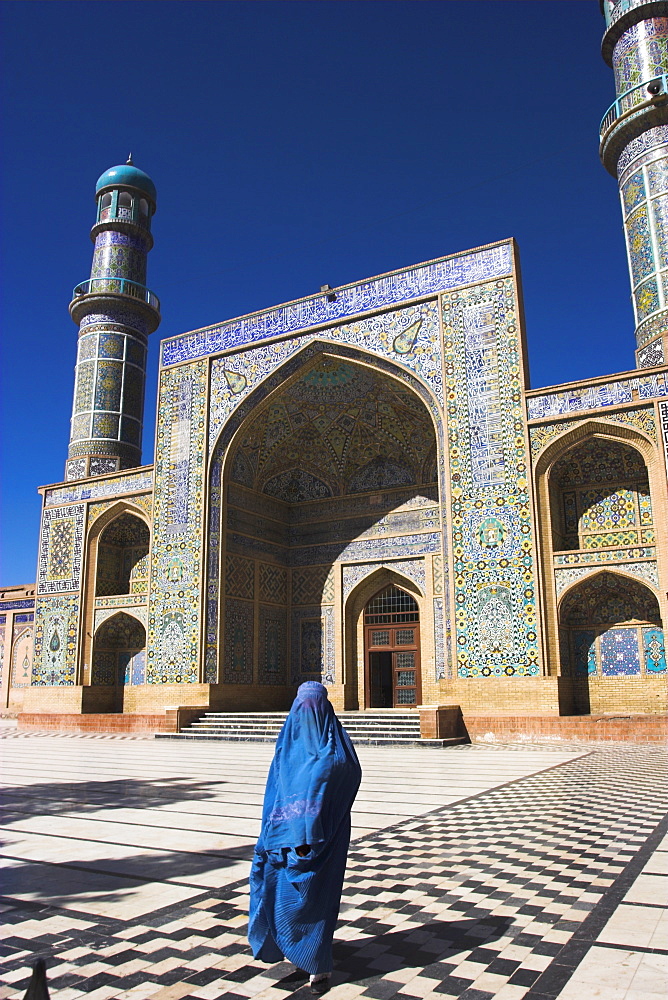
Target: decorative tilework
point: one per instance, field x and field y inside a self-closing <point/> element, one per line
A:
<point x="376" y="335"/>
<point x="76" y="468"/>
<point x="584" y="649"/>
<point x="440" y="651"/>
<point x="60" y="553"/>
<point x="619" y="652"/>
<point x="312" y="585"/>
<point x="437" y="573"/>
<point x="594" y="397"/>
<point x="648" y="140"/>
<point x="654" y="650"/>
<point x="651" y="354"/>
<point x="604" y="556"/>
<point x="317" y="651"/>
<point x="102" y="466"/>
<point x="238" y="665"/>
<point x="273" y="583"/>
<point x="56" y="625"/>
<point x="239" y="577"/>
<point x="136" y="611"/>
<point x="608" y="599"/>
<point x="388" y="289"/>
<point x="663" y="418"/>
<point x="494" y="592"/>
<point x="646" y="571"/>
<point x="414" y="569"/>
<point x="144" y="502"/>
<point x="15" y="605"/>
<point x="115" y="645"/>
<point x="177" y="525"/>
<point x="272" y="645"/>
<point x="133" y="482"/>
<point x="22" y="650"/>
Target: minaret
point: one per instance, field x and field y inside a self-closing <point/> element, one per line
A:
<point x="634" y="149"/>
<point x="115" y="312"/>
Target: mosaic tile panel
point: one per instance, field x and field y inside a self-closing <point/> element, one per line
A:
<point x="646" y="571"/>
<point x="28" y="602"/>
<point x="594" y="397"/>
<point x="620" y="655"/>
<point x="239" y="577"/>
<point x="312" y="585"/>
<point x="174" y="613"/>
<point x="584" y="650"/>
<point x="413" y="569"/>
<point x="22" y="650"/>
<point x="75" y="493"/>
<point x="235" y="376"/>
<point x="56" y="624"/>
<point x="651" y="355"/>
<point x="604" y="556"/>
<point x="144" y="502"/>
<point x="273" y="638"/>
<point x="651" y="139"/>
<point x="654" y="650"/>
<point x="60" y="549"/>
<point x="663" y="419"/>
<point x="273" y="583"/>
<point x="312" y="645"/>
<point x="238" y="664"/>
<point x="492" y="535"/>
<point x="134" y="611"/>
<point x="388" y="289"/>
<point x="441" y="661"/>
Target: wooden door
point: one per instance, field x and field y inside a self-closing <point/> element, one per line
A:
<point x="392" y="650"/>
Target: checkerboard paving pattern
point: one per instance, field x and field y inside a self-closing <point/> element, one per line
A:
<point x="497" y="897"/>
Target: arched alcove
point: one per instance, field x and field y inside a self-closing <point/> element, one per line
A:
<point x="600" y="497"/>
<point x="610" y="626"/>
<point x="122" y="557"/>
<point x="119" y="655"/>
<point x="339" y="455"/>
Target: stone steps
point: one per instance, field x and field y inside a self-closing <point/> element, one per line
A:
<point x="375" y="728"/>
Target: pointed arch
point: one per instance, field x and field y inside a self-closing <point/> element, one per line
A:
<point x="355" y="654"/>
<point x="553" y="523"/>
<point x="251" y="467"/>
<point x="140" y="570"/>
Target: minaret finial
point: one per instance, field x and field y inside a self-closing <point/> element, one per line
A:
<point x="129" y="162"/>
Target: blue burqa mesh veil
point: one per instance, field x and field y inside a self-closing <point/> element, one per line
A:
<point x="312" y="783"/>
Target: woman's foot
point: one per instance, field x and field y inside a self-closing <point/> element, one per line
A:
<point x="320" y="983"/>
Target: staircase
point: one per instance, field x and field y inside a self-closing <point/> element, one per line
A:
<point x="376" y="728"/>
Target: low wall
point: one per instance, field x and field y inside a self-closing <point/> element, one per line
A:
<point x="109" y="722"/>
<point x="515" y="729"/>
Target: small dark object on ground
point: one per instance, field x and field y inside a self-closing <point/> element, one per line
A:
<point x="37" y="987"/>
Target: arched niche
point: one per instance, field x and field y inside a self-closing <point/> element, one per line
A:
<point x="300" y="478"/>
<point x="119" y="655"/>
<point x="358" y="687"/>
<point x="597" y="485"/>
<point x="600" y="497"/>
<point x="122" y="557"/>
<point x="610" y="626"/>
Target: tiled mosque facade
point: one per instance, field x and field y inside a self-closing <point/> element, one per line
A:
<point x="373" y="439"/>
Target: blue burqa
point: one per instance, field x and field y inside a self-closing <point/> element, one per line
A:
<point x="312" y="783"/>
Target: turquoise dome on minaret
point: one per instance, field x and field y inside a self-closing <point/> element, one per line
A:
<point x="126" y="175"/>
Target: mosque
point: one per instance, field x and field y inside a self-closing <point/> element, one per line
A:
<point x="358" y="486"/>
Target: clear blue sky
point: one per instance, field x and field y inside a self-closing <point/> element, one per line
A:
<point x="293" y="144"/>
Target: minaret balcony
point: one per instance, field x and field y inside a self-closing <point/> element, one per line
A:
<point x="648" y="94"/>
<point x="111" y="287"/>
<point x="638" y="109"/>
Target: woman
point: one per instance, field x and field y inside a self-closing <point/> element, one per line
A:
<point x="300" y="857"/>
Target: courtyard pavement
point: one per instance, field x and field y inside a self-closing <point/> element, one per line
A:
<point x="483" y="872"/>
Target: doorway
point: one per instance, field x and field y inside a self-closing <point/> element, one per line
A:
<point x="392" y="649"/>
